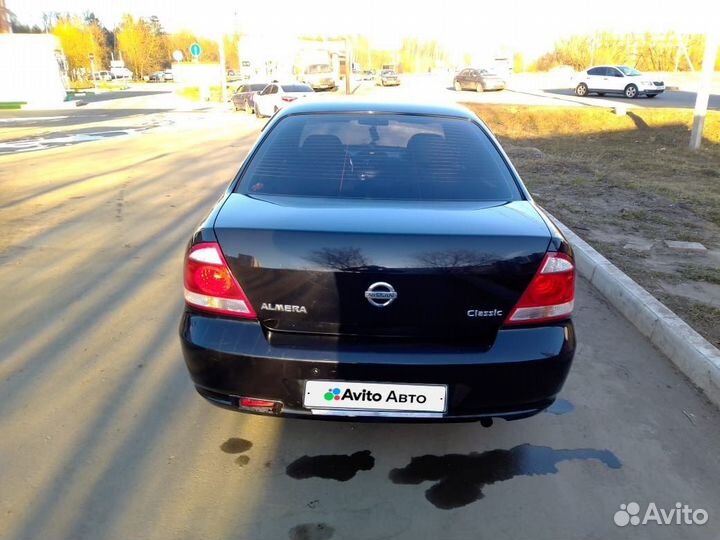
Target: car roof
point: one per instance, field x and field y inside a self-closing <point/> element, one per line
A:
<point x="349" y="104"/>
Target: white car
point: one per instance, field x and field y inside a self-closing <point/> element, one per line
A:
<point x="623" y="80"/>
<point x="276" y="95"/>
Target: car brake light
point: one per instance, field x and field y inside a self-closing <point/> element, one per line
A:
<point x="288" y="98"/>
<point x="550" y="295"/>
<point x="209" y="284"/>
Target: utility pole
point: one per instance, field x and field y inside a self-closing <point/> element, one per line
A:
<point x="223" y="78"/>
<point x="703" y="93"/>
<point x="348" y="67"/>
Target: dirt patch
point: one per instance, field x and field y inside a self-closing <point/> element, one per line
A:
<point x="626" y="184"/>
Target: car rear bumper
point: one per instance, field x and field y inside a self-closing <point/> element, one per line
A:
<point x="519" y="376"/>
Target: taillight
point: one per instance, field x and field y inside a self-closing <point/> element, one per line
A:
<point x="209" y="284"/>
<point x="288" y="98"/>
<point x="550" y="295"/>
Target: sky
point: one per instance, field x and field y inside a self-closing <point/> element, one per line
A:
<point x="529" y="26"/>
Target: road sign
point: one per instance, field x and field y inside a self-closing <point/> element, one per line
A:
<point x="195" y="49"/>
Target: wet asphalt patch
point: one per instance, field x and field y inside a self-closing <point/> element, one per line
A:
<point x="459" y="479"/>
<point x="235" y="445"/>
<point x="333" y="467"/>
<point x="311" y="531"/>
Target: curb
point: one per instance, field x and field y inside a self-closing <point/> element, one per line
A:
<point x="696" y="357"/>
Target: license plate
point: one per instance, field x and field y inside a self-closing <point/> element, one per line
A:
<point x="375" y="396"/>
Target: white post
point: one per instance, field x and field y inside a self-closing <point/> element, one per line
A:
<point x="703" y="92"/>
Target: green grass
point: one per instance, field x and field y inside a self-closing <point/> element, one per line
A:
<point x="12" y="105"/>
<point x="193" y="93"/>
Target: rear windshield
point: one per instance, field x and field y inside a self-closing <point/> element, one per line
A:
<point x="379" y="156"/>
<point x="296" y="88"/>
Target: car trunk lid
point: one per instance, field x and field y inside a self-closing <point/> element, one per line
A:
<point x="322" y="266"/>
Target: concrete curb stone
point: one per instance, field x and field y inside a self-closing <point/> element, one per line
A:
<point x="696" y="357"/>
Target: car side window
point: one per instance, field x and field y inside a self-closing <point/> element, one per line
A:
<point x="612" y="72"/>
<point x="273" y="89"/>
<point x="596" y="71"/>
<point x="266" y="90"/>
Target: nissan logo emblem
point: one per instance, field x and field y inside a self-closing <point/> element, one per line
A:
<point x="380" y="294"/>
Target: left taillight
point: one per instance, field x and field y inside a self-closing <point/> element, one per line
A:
<point x="550" y="295"/>
<point x="288" y="98"/>
<point x="209" y="284"/>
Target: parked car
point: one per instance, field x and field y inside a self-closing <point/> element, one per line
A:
<point x="158" y="76"/>
<point x="387" y="77"/>
<point x="368" y="75"/>
<point x="377" y="259"/>
<point x="478" y="79"/>
<point x="277" y="95"/>
<point x="121" y="72"/>
<point x="319" y="77"/>
<point x="243" y="96"/>
<point x="623" y="80"/>
<point x="169" y="75"/>
<point x="102" y="76"/>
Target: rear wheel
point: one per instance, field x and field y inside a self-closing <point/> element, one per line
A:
<point x="581" y="90"/>
<point x="631" y="91"/>
<point x="457" y="86"/>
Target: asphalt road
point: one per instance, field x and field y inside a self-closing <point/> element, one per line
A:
<point x="104" y="437"/>
<point x="528" y="91"/>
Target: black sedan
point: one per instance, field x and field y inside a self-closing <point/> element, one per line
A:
<point x="378" y="260"/>
<point x="243" y="96"/>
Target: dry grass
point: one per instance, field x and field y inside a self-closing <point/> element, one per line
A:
<point x="621" y="178"/>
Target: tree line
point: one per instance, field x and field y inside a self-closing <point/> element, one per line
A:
<point x="142" y="43"/>
<point x="647" y="52"/>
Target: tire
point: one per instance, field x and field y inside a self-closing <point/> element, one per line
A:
<point x="651" y="95"/>
<point x="631" y="91"/>
<point x="457" y="87"/>
<point x="581" y="90"/>
<point x="248" y="108"/>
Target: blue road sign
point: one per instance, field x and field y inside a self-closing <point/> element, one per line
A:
<point x="195" y="49"/>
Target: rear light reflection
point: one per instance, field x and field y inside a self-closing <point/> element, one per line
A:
<point x="550" y="295"/>
<point x="209" y="284"/>
<point x="259" y="404"/>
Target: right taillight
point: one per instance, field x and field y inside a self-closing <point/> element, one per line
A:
<point x="209" y="284"/>
<point x="550" y="295"/>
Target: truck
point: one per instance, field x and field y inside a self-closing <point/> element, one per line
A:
<point x="34" y="69"/>
<point x="314" y="67"/>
